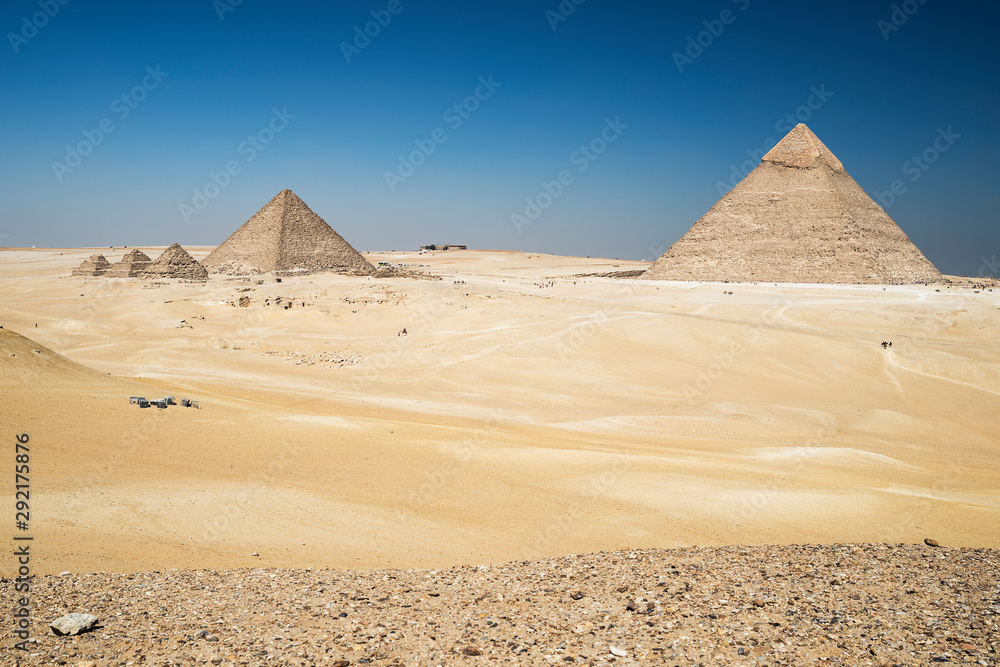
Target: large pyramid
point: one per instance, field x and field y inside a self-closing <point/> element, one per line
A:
<point x="286" y="235"/>
<point x="175" y="262"/>
<point x="798" y="217"/>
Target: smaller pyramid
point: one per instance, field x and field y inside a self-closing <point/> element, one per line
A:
<point x="175" y="262"/>
<point x="286" y="236"/>
<point x="97" y="265"/>
<point x="132" y="265"/>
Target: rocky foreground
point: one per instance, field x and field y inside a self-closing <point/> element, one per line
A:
<point x="801" y="605"/>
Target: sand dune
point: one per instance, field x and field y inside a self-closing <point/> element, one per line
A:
<point x="528" y="412"/>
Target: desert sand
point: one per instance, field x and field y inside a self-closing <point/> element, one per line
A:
<point x="529" y="412"/>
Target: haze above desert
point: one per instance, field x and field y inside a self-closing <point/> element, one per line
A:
<point x="528" y="412"/>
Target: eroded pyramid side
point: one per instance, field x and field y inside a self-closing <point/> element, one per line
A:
<point x="176" y="262"/>
<point x="254" y="247"/>
<point x="97" y="265"/>
<point x="309" y="243"/>
<point x="132" y="265"/>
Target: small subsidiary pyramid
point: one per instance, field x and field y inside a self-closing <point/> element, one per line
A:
<point x="286" y="235"/>
<point x="798" y="217"/>
<point x="97" y="265"/>
<point x="132" y="265"/>
<point x="175" y="262"/>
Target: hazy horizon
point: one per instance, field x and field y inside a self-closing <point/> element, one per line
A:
<point x="133" y="125"/>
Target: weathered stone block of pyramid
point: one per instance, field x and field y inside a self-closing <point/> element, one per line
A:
<point x="97" y="265"/>
<point x="132" y="265"/>
<point x="175" y="262"/>
<point x="286" y="236"/>
<point x="798" y="217"/>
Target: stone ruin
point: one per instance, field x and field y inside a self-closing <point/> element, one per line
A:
<point x="97" y="265"/>
<point x="132" y="265"/>
<point x="175" y="262"/>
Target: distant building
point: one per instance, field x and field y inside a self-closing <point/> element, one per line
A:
<point x="449" y="246"/>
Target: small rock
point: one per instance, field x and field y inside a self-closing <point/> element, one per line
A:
<point x="255" y="554"/>
<point x="73" y="624"/>
<point x="578" y="595"/>
<point x="976" y="625"/>
<point x="342" y="663"/>
<point x="471" y="650"/>
<point x="931" y="543"/>
<point x="620" y="652"/>
<point x="969" y="648"/>
<point x="632" y="606"/>
<point x="758" y="603"/>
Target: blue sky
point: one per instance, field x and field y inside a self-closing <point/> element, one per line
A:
<point x="267" y="90"/>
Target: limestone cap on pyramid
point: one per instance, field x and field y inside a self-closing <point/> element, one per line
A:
<point x="802" y="149"/>
<point x="797" y="217"/>
<point x="286" y="236"/>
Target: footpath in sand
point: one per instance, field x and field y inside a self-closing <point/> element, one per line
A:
<point x="529" y="412"/>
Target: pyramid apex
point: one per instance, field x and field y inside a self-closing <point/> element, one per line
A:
<point x="802" y="149"/>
